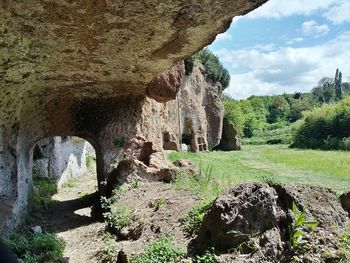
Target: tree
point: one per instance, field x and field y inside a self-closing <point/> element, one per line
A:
<point x="297" y="107"/>
<point x="325" y="90"/>
<point x="338" y="85"/>
<point x="213" y="67"/>
<point x="278" y="110"/>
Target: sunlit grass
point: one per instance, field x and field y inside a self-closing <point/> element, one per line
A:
<point x="226" y="171"/>
<point x="256" y="163"/>
<point x="326" y="168"/>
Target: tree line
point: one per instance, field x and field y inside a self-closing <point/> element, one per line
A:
<point x="274" y="117"/>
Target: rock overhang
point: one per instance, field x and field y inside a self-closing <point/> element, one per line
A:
<point x="82" y="68"/>
<point x="104" y="47"/>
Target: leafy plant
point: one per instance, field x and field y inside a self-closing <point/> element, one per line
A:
<point x="297" y="239"/>
<point x="192" y="221"/>
<point x="69" y="183"/>
<point x="160" y="250"/>
<point x="159" y="203"/>
<point x="344" y="245"/>
<point x="36" y="247"/>
<point x="208" y="257"/>
<point x="269" y="179"/>
<point x="43" y="190"/>
<point x="109" y="253"/>
<point x="116" y="194"/>
<point x="89" y="161"/>
<point x="120" y="216"/>
<point x="135" y="184"/>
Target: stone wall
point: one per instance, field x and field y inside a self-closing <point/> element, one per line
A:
<point x="61" y="158"/>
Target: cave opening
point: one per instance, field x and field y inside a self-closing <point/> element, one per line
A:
<point x="65" y="185"/>
<point x="187" y="137"/>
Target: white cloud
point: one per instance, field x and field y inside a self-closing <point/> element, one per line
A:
<point x="223" y="36"/>
<point x="294" y="41"/>
<point x="284" y="8"/>
<point x="336" y="11"/>
<point x="311" y="27"/>
<point x="285" y="69"/>
<point x="339" y="13"/>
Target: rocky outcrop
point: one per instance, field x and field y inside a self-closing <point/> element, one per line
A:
<point x="251" y="223"/>
<point x="230" y="139"/>
<point x="81" y="68"/>
<point x="193" y="119"/>
<point x="61" y="158"/>
<point x="345" y="201"/>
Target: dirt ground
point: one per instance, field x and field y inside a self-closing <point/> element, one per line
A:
<point x="70" y="218"/>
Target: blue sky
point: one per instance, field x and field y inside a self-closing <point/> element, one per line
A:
<point x="285" y="46"/>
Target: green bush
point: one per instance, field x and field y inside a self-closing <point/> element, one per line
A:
<point x="192" y="221"/>
<point x="89" y="161"/>
<point x="207" y="257"/>
<point x="325" y="128"/>
<point x="43" y="190"/>
<point x="213" y="67"/>
<point x="344" y="245"/>
<point x="161" y="250"/>
<point x="36" y="247"/>
<point x="120" y="216"/>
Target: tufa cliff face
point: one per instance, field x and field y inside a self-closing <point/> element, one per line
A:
<point x="192" y="121"/>
<point x="81" y="68"/>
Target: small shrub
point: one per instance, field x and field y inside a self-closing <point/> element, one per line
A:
<point x="159" y="203"/>
<point x="269" y="179"/>
<point x="120" y="216"/>
<point x="43" y="190"/>
<point x="160" y="250"/>
<point x="36" y="247"/>
<point x="344" y="245"/>
<point x="135" y="184"/>
<point x="116" y="194"/>
<point x="296" y="230"/>
<point x="192" y="221"/>
<point x="69" y="183"/>
<point x="89" y="161"/>
<point x="189" y="64"/>
<point x="109" y="253"/>
<point x="207" y="257"/>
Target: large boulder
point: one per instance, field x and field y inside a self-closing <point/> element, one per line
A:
<point x="251" y="223"/>
<point x="319" y="203"/>
<point x="238" y="214"/>
<point x="345" y="201"/>
<point x="230" y="139"/>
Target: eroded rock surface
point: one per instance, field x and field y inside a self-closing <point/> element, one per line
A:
<point x="230" y="139"/>
<point x="80" y="68"/>
<point x="345" y="201"/>
<point x="250" y="223"/>
<point x="61" y="158"/>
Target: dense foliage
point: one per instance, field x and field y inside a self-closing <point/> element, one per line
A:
<point x="36" y="247"/>
<point x="268" y="117"/>
<point x="274" y="119"/>
<point x="215" y="70"/>
<point x="327" y="127"/>
<point x="160" y="250"/>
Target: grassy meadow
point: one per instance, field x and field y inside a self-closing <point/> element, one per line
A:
<point x="268" y="163"/>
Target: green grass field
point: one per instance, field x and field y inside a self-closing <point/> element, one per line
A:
<point x="274" y="163"/>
